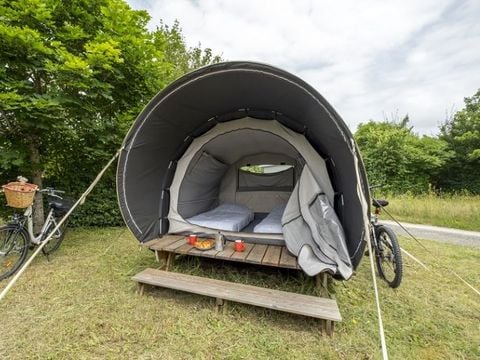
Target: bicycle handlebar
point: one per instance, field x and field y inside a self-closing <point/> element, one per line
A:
<point x="52" y="192"/>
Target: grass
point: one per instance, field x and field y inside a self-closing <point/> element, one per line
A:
<point x="455" y="211"/>
<point x="82" y="304"/>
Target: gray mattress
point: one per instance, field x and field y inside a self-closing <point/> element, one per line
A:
<point x="272" y="224"/>
<point x="228" y="217"/>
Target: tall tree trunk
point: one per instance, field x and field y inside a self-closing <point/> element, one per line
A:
<point x="38" y="215"/>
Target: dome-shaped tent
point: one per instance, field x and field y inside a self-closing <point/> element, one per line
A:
<point x="255" y="152"/>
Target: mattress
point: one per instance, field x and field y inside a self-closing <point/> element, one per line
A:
<point x="272" y="223"/>
<point x="228" y="217"/>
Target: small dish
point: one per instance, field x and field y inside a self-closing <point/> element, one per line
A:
<point x="205" y="244"/>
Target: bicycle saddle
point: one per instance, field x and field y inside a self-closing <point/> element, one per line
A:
<point x="379" y="203"/>
<point x="60" y="204"/>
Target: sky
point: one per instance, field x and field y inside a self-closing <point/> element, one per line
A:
<point x="370" y="59"/>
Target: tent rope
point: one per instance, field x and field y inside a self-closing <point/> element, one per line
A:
<point x="368" y="235"/>
<point x="80" y="201"/>
<point x="436" y="272"/>
<point x="377" y="301"/>
<point x="415" y="259"/>
<point x="430" y="252"/>
<point x="403" y="227"/>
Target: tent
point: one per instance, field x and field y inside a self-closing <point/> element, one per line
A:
<point x="251" y="151"/>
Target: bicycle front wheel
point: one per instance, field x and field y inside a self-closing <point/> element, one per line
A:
<point x="14" y="243"/>
<point x="57" y="237"/>
<point x="389" y="257"/>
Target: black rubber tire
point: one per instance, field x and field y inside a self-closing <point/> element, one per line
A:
<point x="387" y="242"/>
<point x="57" y="238"/>
<point x="21" y="241"/>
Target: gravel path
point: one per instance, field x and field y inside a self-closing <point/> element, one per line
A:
<point x="448" y="235"/>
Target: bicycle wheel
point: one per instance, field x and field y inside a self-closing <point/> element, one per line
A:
<point x="389" y="257"/>
<point x="14" y="243"/>
<point x="57" y="237"/>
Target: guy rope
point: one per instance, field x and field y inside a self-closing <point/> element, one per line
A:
<point x="80" y="201"/>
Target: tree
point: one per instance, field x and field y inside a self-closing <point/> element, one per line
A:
<point x="398" y="158"/>
<point x="462" y="133"/>
<point x="183" y="60"/>
<point x="73" y="76"/>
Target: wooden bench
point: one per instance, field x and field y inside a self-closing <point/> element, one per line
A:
<point x="223" y="291"/>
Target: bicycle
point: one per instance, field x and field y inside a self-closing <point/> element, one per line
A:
<point x="388" y="256"/>
<point x="17" y="236"/>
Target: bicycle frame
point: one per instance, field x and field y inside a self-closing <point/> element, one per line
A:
<point x="374" y="225"/>
<point x="29" y="218"/>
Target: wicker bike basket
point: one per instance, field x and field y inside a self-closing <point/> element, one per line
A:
<point x="19" y="194"/>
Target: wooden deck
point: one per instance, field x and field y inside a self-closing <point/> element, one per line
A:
<point x="268" y="255"/>
<point x="223" y="291"/>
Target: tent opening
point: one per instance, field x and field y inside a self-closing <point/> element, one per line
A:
<point x="238" y="178"/>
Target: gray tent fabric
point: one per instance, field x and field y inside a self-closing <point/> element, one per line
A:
<point x="200" y="186"/>
<point x="264" y="108"/>
<point x="321" y="245"/>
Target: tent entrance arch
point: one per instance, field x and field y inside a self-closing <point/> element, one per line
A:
<point x="208" y="174"/>
<point x="182" y="159"/>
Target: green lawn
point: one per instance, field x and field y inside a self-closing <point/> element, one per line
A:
<point x="82" y="304"/>
<point x="455" y="211"/>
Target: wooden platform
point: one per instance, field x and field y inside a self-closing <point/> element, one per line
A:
<point x="268" y="255"/>
<point x="223" y="291"/>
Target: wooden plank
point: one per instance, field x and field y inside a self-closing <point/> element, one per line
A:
<point x="184" y="249"/>
<point x="272" y="299"/>
<point x="242" y="255"/>
<point x="272" y="255"/>
<point x="165" y="241"/>
<point x="257" y="253"/>
<point x="227" y="252"/>
<point x="203" y="253"/>
<point x="150" y="243"/>
<point x="175" y="245"/>
<point x="287" y="260"/>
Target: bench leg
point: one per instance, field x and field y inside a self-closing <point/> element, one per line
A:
<point x="321" y="281"/>
<point x="324" y="285"/>
<point x="161" y="257"/>
<point x="220" y="304"/>
<point x="329" y="327"/>
<point x="140" y="288"/>
<point x="170" y="261"/>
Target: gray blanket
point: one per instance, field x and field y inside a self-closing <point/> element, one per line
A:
<point x="312" y="230"/>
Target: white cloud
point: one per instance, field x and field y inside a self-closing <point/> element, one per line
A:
<point x="367" y="58"/>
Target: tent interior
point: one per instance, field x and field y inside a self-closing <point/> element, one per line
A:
<point x="238" y="177"/>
